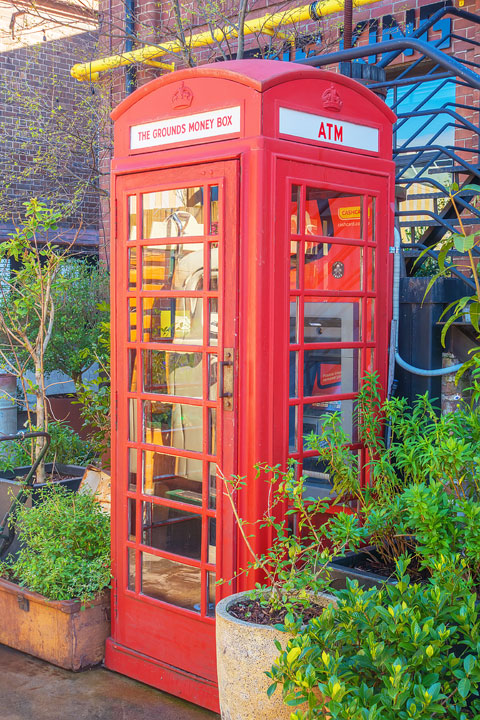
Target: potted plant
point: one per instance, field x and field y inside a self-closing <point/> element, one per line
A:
<point x="252" y="626"/>
<point x="401" y="651"/>
<point x="54" y="600"/>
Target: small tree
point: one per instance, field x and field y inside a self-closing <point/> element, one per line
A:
<point x="27" y="308"/>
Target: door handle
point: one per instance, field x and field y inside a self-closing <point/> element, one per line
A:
<point x="225" y="379"/>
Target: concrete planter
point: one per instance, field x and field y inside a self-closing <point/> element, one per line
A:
<point x="245" y="651"/>
<point x="58" y="631"/>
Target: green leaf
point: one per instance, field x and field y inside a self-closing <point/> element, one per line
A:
<point x="293" y="655"/>
<point x="271" y="689"/>
<point x="474" y="309"/>
<point x="464" y="687"/>
<point x="463" y="243"/>
<point x="475" y="188"/>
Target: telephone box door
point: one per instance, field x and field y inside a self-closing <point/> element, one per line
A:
<point x="338" y="296"/>
<point x="175" y="323"/>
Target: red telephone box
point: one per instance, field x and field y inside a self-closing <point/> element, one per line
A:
<point x="252" y="218"/>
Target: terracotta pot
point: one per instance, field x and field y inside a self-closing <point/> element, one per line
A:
<point x="58" y="631"/>
<point x="245" y="651"/>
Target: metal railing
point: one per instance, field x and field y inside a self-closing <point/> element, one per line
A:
<point x="437" y="133"/>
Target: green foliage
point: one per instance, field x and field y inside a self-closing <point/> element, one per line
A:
<point x="424" y="448"/>
<point x="66" y="447"/>
<point x="401" y="652"/>
<point x="65" y="546"/>
<point x="79" y="295"/>
<point x="443" y="523"/>
<point x="296" y="563"/>
<point x="94" y="395"/>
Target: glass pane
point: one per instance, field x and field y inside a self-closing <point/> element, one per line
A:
<point x="131" y="568"/>
<point x="316" y="473"/>
<point x="213" y="322"/>
<point x="333" y="267"/>
<point x="212" y="486"/>
<point x="211" y="591"/>
<point x="212" y="376"/>
<point x="174" y="531"/>
<point x="132" y="469"/>
<point x="292" y="428"/>
<point x="293" y="321"/>
<point x="295" y="210"/>
<point x="178" y="320"/>
<point x="293" y="381"/>
<point x="213" y="266"/>
<point x="214" y="210"/>
<point x="314" y="415"/>
<point x="132" y="269"/>
<point x="132" y="319"/>
<point x="318" y="481"/>
<point x="172" y="267"/>
<point x="371" y="222"/>
<point x="333" y="214"/>
<point x="332" y="321"/>
<point x="294" y="260"/>
<point x="371" y="270"/>
<point x="174" y="478"/>
<point x="132" y="520"/>
<point x="132" y="370"/>
<point x="132" y="217"/>
<point x="173" y="373"/>
<point x="173" y="425"/>
<point x="171" y="581"/>
<point x="132" y="420"/>
<point x="330" y="372"/>
<point x="173" y="213"/>
<point x="370" y="313"/>
<point x="369" y="360"/>
<point x="212" y="541"/>
<point x="212" y="431"/>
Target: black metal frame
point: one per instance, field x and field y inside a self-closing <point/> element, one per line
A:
<point x="7" y="526"/>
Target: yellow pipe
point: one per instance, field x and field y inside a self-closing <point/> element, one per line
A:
<point x="266" y="25"/>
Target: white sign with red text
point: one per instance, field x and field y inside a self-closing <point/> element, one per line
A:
<point x="327" y="130"/>
<point x="191" y="127"/>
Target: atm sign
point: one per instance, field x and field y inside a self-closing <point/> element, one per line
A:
<point x="327" y="130"/>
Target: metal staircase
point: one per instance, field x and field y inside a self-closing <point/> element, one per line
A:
<point x="436" y="98"/>
<point x="437" y="134"/>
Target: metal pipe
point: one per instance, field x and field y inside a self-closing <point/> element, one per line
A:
<point x="347" y="25"/>
<point x="395" y="321"/>
<point x="267" y="24"/>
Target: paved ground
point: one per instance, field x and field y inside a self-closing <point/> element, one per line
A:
<point x="31" y="689"/>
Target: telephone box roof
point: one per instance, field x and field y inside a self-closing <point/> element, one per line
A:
<point x="260" y="75"/>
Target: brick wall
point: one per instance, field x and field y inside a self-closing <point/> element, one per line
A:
<point x="48" y="133"/>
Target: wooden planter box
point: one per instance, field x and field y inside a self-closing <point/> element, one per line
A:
<point x="54" y="630"/>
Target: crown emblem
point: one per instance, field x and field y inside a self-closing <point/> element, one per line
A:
<point x="331" y="99"/>
<point x="182" y="98"/>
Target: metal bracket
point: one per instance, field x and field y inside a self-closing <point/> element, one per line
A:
<point x="225" y="379"/>
<point x="23" y="603"/>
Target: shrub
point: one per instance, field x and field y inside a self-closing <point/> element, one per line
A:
<point x="65" y="546"/>
<point x="423" y="448"/>
<point x="405" y="651"/>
